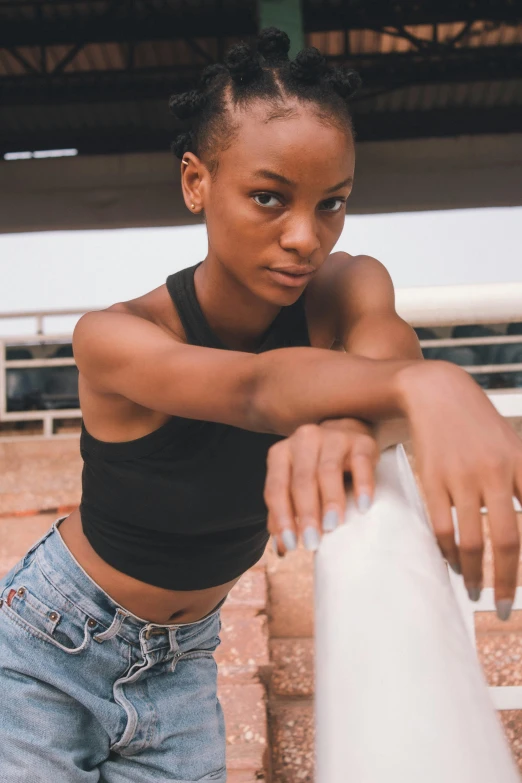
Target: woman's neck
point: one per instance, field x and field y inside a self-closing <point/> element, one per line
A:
<point x="235" y="315"/>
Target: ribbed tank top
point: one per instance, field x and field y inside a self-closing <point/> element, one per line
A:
<point x="182" y="507"/>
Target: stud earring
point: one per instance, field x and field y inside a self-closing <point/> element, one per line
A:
<point x="193" y="206"/>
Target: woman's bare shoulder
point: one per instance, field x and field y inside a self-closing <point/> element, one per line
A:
<point x="344" y="283"/>
<point x="156" y="307"/>
<point x="101" y="340"/>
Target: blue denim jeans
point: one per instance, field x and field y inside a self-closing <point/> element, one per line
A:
<point x="91" y="693"/>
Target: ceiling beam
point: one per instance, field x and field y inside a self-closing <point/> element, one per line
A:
<point x="374" y="126"/>
<point x="379" y="73"/>
<point x="42" y="24"/>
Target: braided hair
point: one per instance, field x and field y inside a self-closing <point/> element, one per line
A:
<point x="259" y="72"/>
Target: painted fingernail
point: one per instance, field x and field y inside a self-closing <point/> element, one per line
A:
<point x="474" y="593"/>
<point x="364" y="502"/>
<point x="289" y="539"/>
<point x="456" y="568"/>
<point x="330" y="520"/>
<point x="311" y="538"/>
<point x="504" y="607"/>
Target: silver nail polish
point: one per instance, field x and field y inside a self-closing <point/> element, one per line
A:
<point x="289" y="539"/>
<point x="504" y="608"/>
<point x="311" y="538"/>
<point x="363" y="503"/>
<point x="330" y="520"/>
<point x="455" y="567"/>
<point x="474" y="593"/>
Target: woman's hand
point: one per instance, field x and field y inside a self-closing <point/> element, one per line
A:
<point x="304" y="488"/>
<point x="467" y="456"/>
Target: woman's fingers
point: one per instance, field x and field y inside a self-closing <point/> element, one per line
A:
<point x="281" y="515"/>
<point x="467" y="558"/>
<point x="277" y="544"/>
<point x="305" y="446"/>
<point x="471" y="541"/>
<point x="305" y="489"/>
<point x="330" y="475"/>
<point x="363" y="460"/>
<point x="439" y="510"/>
<point x="505" y="541"/>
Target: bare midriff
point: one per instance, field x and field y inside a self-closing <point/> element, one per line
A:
<point x="148" y="602"/>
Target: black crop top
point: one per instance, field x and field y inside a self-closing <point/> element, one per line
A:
<point x="182" y="507"/>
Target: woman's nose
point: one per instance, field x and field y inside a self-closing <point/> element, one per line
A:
<point x="300" y="236"/>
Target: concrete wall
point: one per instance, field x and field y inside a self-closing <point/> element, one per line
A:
<point x="114" y="191"/>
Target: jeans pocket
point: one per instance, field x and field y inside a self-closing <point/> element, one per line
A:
<point x="46" y="615"/>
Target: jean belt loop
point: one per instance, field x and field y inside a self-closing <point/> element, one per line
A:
<point x="113" y="629"/>
<point x="173" y="642"/>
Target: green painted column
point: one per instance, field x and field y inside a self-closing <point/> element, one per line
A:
<point x="288" y="16"/>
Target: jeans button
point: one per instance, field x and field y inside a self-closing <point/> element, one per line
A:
<point x="21" y="591"/>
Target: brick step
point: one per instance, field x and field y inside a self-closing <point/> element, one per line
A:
<point x="250" y="592"/>
<point x="292" y="740"/>
<point x="243" y="661"/>
<point x="500" y="655"/>
<point x="244" y="640"/>
<point x="293" y="667"/>
<point x="291" y="591"/>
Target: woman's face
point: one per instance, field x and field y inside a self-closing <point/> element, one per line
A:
<point x="278" y="200"/>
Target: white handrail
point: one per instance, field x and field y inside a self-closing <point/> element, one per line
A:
<point x="400" y="696"/>
<point x="460" y="304"/>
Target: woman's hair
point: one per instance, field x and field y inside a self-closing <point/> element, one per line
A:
<point x="262" y="72"/>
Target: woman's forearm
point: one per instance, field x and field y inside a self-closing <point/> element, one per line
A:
<point x="296" y="386"/>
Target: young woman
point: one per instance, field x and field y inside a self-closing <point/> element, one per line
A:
<point x="216" y="412"/>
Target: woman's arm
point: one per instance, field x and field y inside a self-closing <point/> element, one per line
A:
<point x="467" y="455"/>
<point x="276" y="391"/>
<point x="305" y="472"/>
<point x="367" y="324"/>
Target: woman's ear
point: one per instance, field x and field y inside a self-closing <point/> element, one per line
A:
<point x="192" y="176"/>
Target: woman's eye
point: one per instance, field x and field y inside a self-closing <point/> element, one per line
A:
<point x="333" y="204"/>
<point x="265" y="199"/>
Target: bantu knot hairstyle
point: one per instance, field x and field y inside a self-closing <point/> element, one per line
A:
<point x="243" y="64"/>
<point x="262" y="71"/>
<point x="273" y="45"/>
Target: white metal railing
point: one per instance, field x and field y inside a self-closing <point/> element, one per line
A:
<point x="36" y="335"/>
<point x="400" y="695"/>
<point x="39" y="317"/>
<point x="433" y="306"/>
<point x="460" y="304"/>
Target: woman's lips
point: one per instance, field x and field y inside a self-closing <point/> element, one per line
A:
<point x="291" y="280"/>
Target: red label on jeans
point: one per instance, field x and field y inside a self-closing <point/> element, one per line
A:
<point x="10" y="597"/>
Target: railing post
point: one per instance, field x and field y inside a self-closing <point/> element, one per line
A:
<point x="400" y="695"/>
